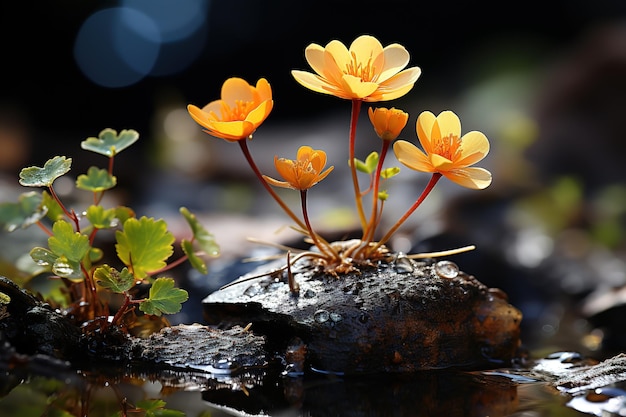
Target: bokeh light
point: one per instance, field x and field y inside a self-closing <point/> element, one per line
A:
<point x="119" y="46"/>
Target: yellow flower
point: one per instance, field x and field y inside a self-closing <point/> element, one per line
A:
<point x="240" y="111"/>
<point x="445" y="151"/>
<point x="388" y="123"/>
<point x="303" y="172"/>
<point x="366" y="71"/>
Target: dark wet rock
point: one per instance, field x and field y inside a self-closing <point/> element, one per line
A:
<point x="203" y="348"/>
<point x="33" y="333"/>
<point x="33" y="327"/>
<point x="399" y="317"/>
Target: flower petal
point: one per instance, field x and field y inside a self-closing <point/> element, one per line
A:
<point x="412" y="157"/>
<point x="474" y="178"/>
<point x="441" y="163"/>
<point x="424" y="127"/>
<point x="356" y="87"/>
<point x="474" y="147"/>
<point x="276" y="183"/>
<point x="235" y="130"/>
<point x="449" y="124"/>
<point x="396" y="58"/>
<point x="259" y="114"/>
<point x="264" y="89"/>
<point x="236" y="89"/>
<point x="313" y="82"/>
<point x="366" y="48"/>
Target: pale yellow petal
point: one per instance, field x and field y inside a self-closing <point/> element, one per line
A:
<point x="357" y="87"/>
<point x="449" y="124"/>
<point x="441" y="163"/>
<point x="396" y="58"/>
<point x="340" y="57"/>
<point x="474" y="178"/>
<point x="407" y="77"/>
<point x="314" y="55"/>
<point x="313" y="82"/>
<point x="411" y="156"/>
<point x="474" y="147"/>
<point x="424" y="127"/>
<point x="386" y="95"/>
<point x="366" y="47"/>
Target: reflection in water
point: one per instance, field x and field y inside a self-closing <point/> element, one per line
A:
<point x="28" y="391"/>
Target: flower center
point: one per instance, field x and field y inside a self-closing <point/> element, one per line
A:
<point x="237" y="113"/>
<point x="448" y="147"/>
<point x="365" y="72"/>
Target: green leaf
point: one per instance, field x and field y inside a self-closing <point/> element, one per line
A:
<point x="4" y="298"/>
<point x="43" y="256"/>
<point x="383" y="195"/>
<point x="100" y="217"/>
<point x="28" y="210"/>
<point x="68" y="268"/>
<point x="44" y="177"/>
<point x="114" y="280"/>
<point x="369" y="166"/>
<point x="144" y="245"/>
<point x="55" y="211"/>
<point x="95" y="254"/>
<point x="66" y="242"/>
<point x="389" y="172"/>
<point x="164" y="298"/>
<point x="202" y="237"/>
<point x="96" y="180"/>
<point x="196" y="262"/>
<point x="123" y="213"/>
<point x="156" y="408"/>
<point x="109" y="143"/>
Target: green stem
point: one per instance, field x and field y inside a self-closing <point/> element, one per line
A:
<point x="257" y="172"/>
<point x="429" y="187"/>
<point x="356" y="109"/>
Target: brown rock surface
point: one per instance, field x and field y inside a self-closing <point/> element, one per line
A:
<point x="398" y="317"/>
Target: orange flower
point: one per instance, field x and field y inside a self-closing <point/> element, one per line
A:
<point x="445" y="151"/>
<point x="239" y="112"/>
<point x="366" y="71"/>
<point x="303" y="172"/>
<point x="388" y="123"/>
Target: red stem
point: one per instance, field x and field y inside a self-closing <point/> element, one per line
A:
<point x="429" y="187"/>
<point x="370" y="232"/>
<point x="257" y="172"/>
<point x="354" y="118"/>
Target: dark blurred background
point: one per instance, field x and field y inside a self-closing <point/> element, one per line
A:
<point x="546" y="82"/>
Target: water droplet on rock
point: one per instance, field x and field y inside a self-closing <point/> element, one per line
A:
<point x="402" y="264"/>
<point x="309" y="293"/>
<point x="224" y="366"/>
<point x="446" y="269"/>
<point x="335" y="317"/>
<point x="321" y="316"/>
<point x="252" y="290"/>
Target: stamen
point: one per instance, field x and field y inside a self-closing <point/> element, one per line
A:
<point x="448" y="147"/>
